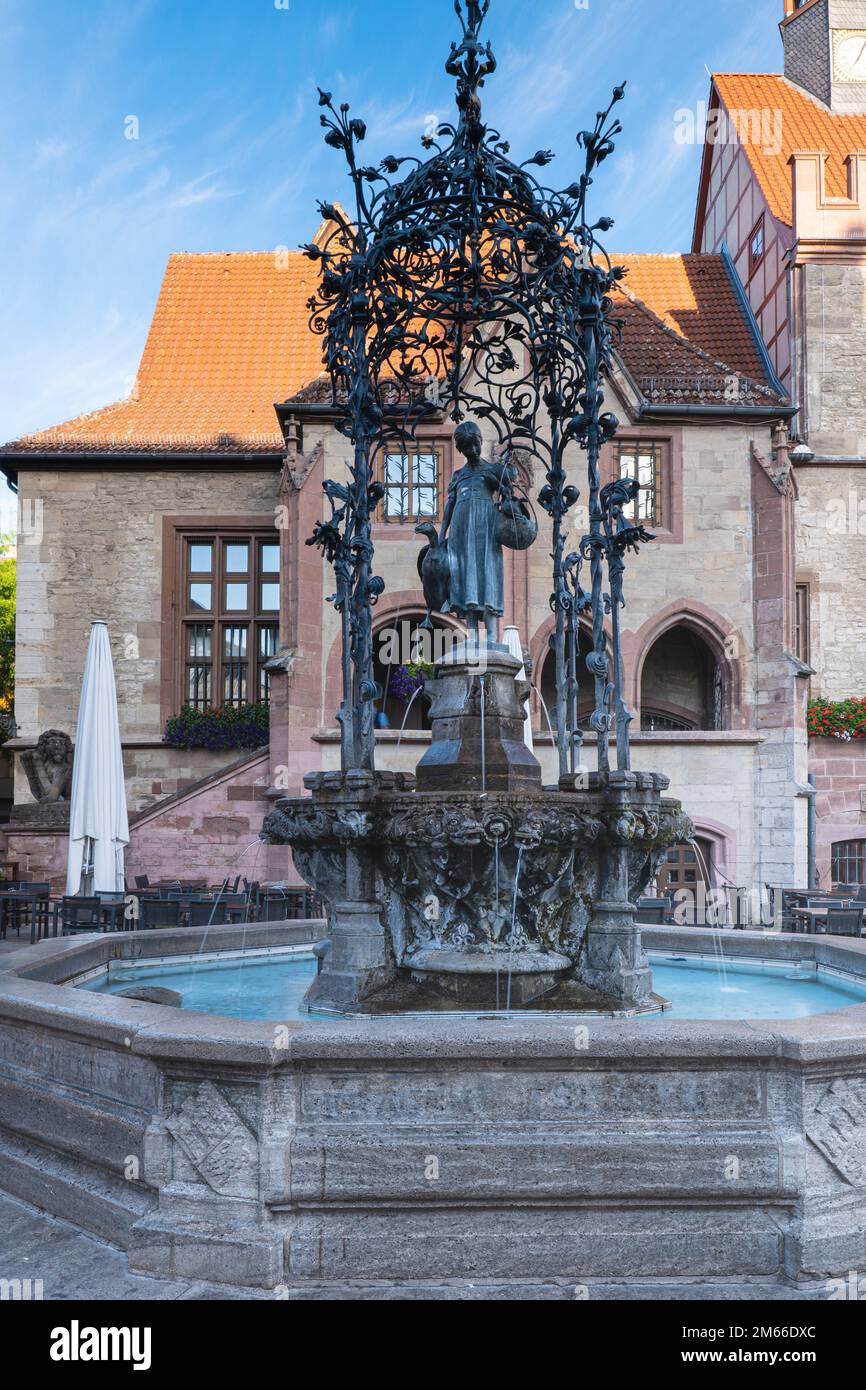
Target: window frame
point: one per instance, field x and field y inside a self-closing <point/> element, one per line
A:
<point x="859" y="854"/>
<point x="755" y="260"/>
<point x="802" y="634"/>
<point x="179" y="617"/>
<point x="662" y="451"/>
<point x="410" y="520"/>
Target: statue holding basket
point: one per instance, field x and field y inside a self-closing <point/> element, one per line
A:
<point x="483" y="514"/>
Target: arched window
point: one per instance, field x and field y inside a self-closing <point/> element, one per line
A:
<point x="681" y="684"/>
<point x="403" y="653"/>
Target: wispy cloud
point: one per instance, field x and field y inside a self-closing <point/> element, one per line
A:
<point x="207" y="188"/>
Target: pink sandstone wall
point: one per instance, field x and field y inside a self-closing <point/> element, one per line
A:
<point x="840" y="777"/>
<point x="209" y="831"/>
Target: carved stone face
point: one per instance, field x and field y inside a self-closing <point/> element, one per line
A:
<point x="54" y="748"/>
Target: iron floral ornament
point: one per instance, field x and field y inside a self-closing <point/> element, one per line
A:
<point x="462" y="285"/>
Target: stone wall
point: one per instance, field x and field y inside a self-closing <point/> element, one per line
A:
<point x="211" y="831"/>
<point x="208" y="830"/>
<point x="830" y="320"/>
<point x="95" y="551"/>
<point x="831" y="557"/>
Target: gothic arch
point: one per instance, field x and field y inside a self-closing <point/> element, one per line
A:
<point x="392" y="607"/>
<point x="719" y="635"/>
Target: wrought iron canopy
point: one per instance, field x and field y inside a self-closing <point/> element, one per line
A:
<point x="462" y="283"/>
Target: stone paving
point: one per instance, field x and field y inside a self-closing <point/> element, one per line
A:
<point x="72" y="1265"/>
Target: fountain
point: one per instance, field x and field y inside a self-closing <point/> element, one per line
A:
<point x="416" y="1142"/>
<point x="439" y="886"/>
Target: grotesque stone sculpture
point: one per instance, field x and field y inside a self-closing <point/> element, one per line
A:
<point x="49" y="767"/>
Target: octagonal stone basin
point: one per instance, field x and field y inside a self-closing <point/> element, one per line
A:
<point x="443" y="1156"/>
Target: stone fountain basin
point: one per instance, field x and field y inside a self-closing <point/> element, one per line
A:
<point x="465" y="977"/>
<point x="298" y="1156"/>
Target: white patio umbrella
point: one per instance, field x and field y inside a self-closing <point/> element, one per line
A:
<point x="98" y="825"/>
<point x="511" y="638"/>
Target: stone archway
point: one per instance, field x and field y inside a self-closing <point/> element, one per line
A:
<point x="705" y="692"/>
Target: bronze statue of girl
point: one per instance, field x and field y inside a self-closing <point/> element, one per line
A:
<point x="470" y="526"/>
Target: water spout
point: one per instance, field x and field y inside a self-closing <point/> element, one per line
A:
<point x="413" y="698"/>
<point x="546" y="712"/>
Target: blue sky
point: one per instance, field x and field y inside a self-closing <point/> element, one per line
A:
<point x="229" y="153"/>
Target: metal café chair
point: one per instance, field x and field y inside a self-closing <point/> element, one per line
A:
<point x="158" y="913"/>
<point x="843" y="921"/>
<point x="28" y="905"/>
<point x="115" y="909"/>
<point x="81" y="914"/>
<point x="252" y="891"/>
<point x="206" y="912"/>
<point x="235" y="904"/>
<point x="274" y="906"/>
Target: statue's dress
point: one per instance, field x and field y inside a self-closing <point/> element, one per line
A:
<point x="474" y="555"/>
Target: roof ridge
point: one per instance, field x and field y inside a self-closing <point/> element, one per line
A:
<point x="795" y="87"/>
<point x="666" y="255"/>
<point x="268" y="251"/>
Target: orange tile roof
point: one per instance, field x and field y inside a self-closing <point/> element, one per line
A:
<point x="805" y="125"/>
<point x="670" y="371"/>
<point x="230" y="336"/>
<point x="693" y="295"/>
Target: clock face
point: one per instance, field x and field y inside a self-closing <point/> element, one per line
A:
<point x="849" y="55"/>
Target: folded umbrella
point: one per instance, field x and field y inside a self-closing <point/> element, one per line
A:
<point x="98" y="824"/>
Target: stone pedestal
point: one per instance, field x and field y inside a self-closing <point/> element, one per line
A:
<point x="357" y="962"/>
<point x="614" y="961"/>
<point x="477" y="712"/>
<point x="50" y="816"/>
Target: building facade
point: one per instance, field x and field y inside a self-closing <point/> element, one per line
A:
<point x="181" y="515"/>
<point x="783" y="193"/>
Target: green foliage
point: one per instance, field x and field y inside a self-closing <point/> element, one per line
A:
<point x="7" y="633"/>
<point x="842" y="719"/>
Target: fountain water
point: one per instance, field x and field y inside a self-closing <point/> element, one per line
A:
<point x="413" y="697"/>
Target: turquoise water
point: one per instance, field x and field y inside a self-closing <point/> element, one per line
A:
<point x="697" y="989"/>
<point x="272" y="987"/>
